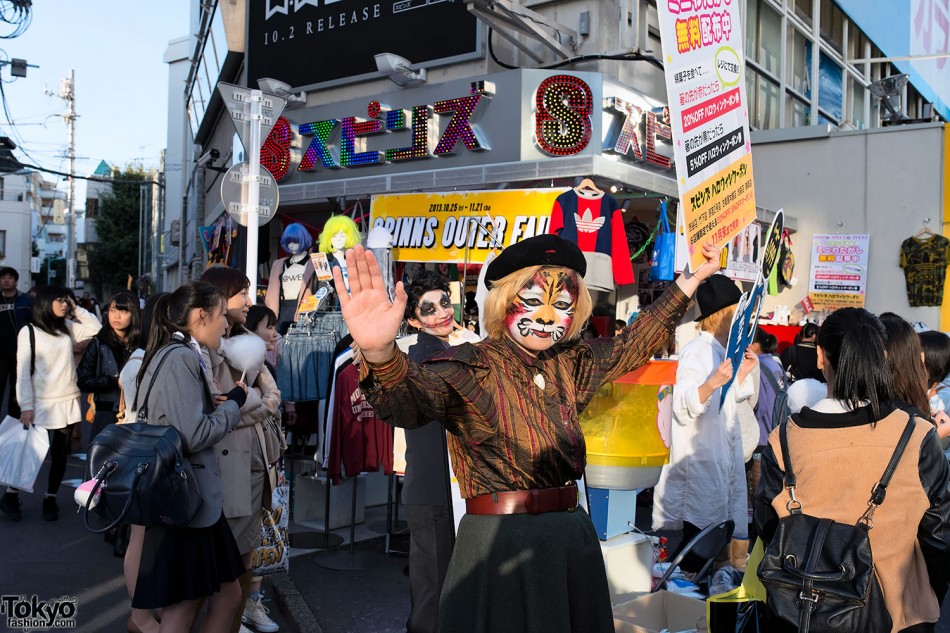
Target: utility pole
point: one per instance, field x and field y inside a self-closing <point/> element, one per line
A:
<point x="67" y="93"/>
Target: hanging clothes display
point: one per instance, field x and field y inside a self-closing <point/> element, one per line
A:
<point x="303" y="372"/>
<point x="925" y="260"/>
<point x="359" y="441"/>
<point x="593" y="220"/>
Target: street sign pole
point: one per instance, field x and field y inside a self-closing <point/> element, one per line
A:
<point x="253" y="114"/>
<point x="253" y="188"/>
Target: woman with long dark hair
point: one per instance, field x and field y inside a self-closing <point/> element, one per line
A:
<point x="46" y="383"/>
<point x="179" y="567"/>
<point x="106" y="355"/>
<point x="245" y="466"/>
<point x="905" y="359"/>
<point x="141" y="620"/>
<point x="840" y="448"/>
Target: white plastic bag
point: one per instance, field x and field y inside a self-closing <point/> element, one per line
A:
<point x="22" y="452"/>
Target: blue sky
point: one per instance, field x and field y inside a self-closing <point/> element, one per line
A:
<point x="116" y="48"/>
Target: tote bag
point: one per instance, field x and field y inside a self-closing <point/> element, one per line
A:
<point x="663" y="262"/>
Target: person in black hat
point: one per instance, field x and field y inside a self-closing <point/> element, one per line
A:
<point x="525" y="559"/>
<point x="705" y="482"/>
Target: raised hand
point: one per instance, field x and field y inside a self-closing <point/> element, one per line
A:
<point x="711" y="253"/>
<point x="372" y="319"/>
<point x="749" y="361"/>
<point x="688" y="283"/>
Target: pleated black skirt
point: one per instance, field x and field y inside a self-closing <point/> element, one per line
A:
<point x="525" y="573"/>
<point x="185" y="564"/>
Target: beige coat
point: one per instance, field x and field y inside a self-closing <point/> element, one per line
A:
<point x="235" y="449"/>
<point x="836" y="469"/>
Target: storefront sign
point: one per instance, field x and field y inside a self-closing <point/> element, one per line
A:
<point x="461" y="227"/>
<point x="309" y="42"/>
<point x="839" y="271"/>
<point x="704" y="63"/>
<point x="507" y="117"/>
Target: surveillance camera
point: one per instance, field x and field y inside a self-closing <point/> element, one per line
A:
<point x="283" y="90"/>
<point x="399" y="69"/>
<point x="208" y="157"/>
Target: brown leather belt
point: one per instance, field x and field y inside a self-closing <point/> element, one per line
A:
<point x="533" y="501"/>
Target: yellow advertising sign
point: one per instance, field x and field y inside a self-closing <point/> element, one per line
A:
<point x="462" y="226"/>
<point x="835" y="300"/>
<point x="719" y="208"/>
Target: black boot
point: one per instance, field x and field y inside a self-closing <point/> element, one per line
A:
<point x="10" y="506"/>
<point x="50" y="509"/>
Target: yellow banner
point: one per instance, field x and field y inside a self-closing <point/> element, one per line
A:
<point x="719" y="208"/>
<point x="463" y="226"/>
<point x="836" y="300"/>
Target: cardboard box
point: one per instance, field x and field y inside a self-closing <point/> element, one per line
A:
<point x="653" y="612"/>
<point x="628" y="559"/>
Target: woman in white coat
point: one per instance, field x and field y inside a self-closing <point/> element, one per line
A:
<point x="705" y="481"/>
<point x="46" y="383"/>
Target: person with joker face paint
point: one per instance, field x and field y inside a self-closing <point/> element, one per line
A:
<point x="526" y="560"/>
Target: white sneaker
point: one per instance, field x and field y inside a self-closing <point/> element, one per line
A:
<point x="244" y="629"/>
<point x="255" y="614"/>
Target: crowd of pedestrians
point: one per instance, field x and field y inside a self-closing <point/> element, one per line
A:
<point x="58" y="357"/>
<point x="844" y="391"/>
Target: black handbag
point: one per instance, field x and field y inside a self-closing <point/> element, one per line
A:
<point x="819" y="573"/>
<point x="142" y="476"/>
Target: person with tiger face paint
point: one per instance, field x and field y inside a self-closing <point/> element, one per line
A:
<point x="526" y="560"/>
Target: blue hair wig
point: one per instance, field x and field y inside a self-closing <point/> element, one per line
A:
<point x="296" y="233"/>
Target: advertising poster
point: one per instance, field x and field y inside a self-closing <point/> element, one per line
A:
<point x="464" y="226"/>
<point x="741" y="254"/>
<point x="704" y="66"/>
<point x="839" y="271"/>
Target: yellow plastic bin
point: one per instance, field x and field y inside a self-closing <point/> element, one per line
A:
<point x="627" y="428"/>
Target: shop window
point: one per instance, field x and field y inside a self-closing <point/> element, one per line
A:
<point x="803" y="10"/>
<point x="763" y="36"/>
<point x="858" y="96"/>
<point x="797" y="112"/>
<point x="799" y="62"/>
<point x="767" y="103"/>
<point x="831" y="24"/>
<point x="763" y="95"/>
<point x="857" y="43"/>
<point x="829" y="86"/>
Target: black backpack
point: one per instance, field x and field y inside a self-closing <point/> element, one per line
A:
<point x="819" y="573"/>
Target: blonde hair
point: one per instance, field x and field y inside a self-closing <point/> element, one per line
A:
<point x="504" y="291"/>
<point x="333" y="226"/>
<point x="713" y="322"/>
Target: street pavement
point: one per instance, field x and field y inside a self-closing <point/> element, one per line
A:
<point x="326" y="591"/>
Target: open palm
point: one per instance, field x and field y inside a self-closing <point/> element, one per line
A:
<point x="372" y="319"/>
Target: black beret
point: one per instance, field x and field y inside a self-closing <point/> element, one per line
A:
<point x="541" y="250"/>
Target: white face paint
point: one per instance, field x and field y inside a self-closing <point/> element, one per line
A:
<point x="338" y="241"/>
<point x="293" y="247"/>
<point x="434" y="314"/>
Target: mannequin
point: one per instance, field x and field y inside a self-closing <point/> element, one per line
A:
<point x="291" y="278"/>
<point x="339" y="233"/>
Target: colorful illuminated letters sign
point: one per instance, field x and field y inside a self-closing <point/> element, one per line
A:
<point x="567" y="117"/>
<point x="704" y="63"/>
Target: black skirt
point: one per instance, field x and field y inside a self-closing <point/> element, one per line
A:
<point x="525" y="573"/>
<point x="185" y="564"/>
